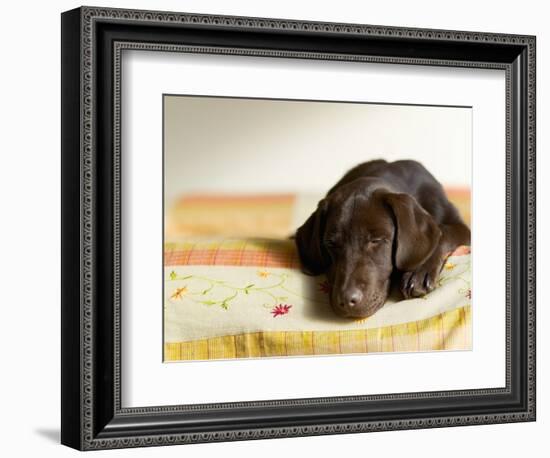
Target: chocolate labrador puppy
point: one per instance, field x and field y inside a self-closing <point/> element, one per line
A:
<point x="381" y="221"/>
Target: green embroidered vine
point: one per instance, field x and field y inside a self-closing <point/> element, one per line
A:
<point x="197" y="295"/>
<point x="203" y="295"/>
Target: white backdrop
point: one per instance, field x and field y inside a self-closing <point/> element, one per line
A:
<point x="147" y="77"/>
<point x="29" y="193"/>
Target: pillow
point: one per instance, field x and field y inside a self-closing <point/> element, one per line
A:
<point x="231" y="298"/>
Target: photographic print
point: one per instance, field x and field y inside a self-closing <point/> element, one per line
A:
<point x="308" y="227"/>
<point x="247" y="198"/>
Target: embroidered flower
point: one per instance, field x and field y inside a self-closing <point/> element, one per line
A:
<point x="469" y="294"/>
<point x="179" y="293"/>
<point x="263" y="273"/>
<point x="280" y="310"/>
<point x="324" y="286"/>
<point x="450" y="266"/>
<point x="173" y="275"/>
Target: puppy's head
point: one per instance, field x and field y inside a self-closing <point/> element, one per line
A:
<point x="358" y="235"/>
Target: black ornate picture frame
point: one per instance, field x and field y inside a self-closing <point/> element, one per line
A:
<point x="92" y="42"/>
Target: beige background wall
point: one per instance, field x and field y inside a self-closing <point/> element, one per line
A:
<point x="254" y="145"/>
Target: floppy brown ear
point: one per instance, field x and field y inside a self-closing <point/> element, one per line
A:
<point x="309" y="241"/>
<point x="417" y="234"/>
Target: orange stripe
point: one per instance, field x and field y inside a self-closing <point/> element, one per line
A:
<point x="463" y="190"/>
<point x="237" y="199"/>
<point x="209" y="257"/>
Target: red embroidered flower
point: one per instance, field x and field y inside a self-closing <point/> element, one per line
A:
<point x="324" y="287"/>
<point x="280" y="310"/>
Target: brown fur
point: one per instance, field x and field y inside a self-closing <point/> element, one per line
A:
<point x="382" y="220"/>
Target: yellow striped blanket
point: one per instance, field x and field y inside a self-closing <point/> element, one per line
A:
<point x="262" y="305"/>
<point x="245" y="297"/>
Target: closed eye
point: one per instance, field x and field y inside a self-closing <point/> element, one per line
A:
<point x="377" y="241"/>
<point x="330" y="243"/>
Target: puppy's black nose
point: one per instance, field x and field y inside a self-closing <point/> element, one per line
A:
<point x="353" y="297"/>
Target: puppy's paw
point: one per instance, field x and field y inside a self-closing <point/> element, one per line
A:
<point x="422" y="281"/>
